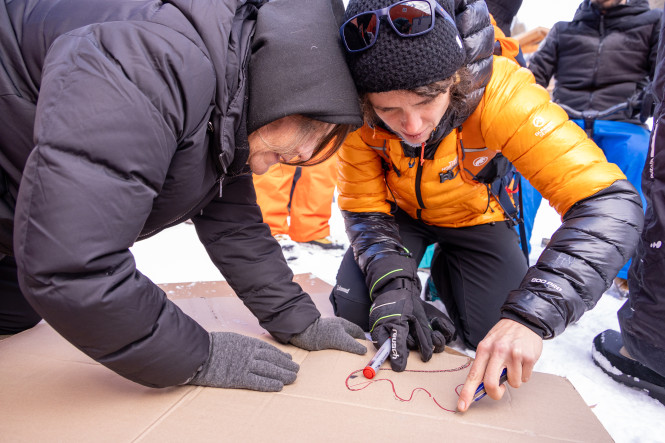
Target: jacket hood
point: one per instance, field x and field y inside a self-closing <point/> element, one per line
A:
<point x="226" y="27"/>
<point x="297" y="65"/>
<point x="588" y="12"/>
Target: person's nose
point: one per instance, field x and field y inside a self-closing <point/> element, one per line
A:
<point x="307" y="153"/>
<point x="304" y="153"/>
<point x="306" y="150"/>
<point x="411" y="122"/>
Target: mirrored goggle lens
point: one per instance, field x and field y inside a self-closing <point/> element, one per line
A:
<point x="360" y="31"/>
<point x="411" y="17"/>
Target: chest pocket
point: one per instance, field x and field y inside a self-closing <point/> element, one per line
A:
<point x="497" y="173"/>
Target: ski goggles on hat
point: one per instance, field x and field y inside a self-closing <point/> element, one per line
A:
<point x="408" y="18"/>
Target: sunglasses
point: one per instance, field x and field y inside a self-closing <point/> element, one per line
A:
<point x="408" y="18"/>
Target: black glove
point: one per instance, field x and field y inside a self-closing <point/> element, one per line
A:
<point x="398" y="314"/>
<point x="634" y="103"/>
<point x="238" y="361"/>
<point x="642" y="104"/>
<point x="443" y="329"/>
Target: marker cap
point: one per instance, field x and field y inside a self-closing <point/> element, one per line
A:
<point x="369" y="372"/>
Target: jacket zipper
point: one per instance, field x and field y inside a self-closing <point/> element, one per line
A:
<point x="601" y="39"/>
<point x="419" y="176"/>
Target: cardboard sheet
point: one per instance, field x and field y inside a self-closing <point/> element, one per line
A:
<point x="50" y="391"/>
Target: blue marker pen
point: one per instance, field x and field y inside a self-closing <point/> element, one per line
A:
<point x="378" y="359"/>
<point x="480" y="392"/>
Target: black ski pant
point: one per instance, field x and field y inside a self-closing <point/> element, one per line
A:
<point x="16" y="314"/>
<point x="473" y="270"/>
<point x="641" y="317"/>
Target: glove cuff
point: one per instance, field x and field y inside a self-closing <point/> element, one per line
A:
<point x="390" y="270"/>
<point x="203" y="365"/>
<point x="401" y="284"/>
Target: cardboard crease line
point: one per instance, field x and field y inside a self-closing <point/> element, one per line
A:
<point x="193" y="393"/>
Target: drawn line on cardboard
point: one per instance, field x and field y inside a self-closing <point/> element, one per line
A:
<point x="366" y="382"/>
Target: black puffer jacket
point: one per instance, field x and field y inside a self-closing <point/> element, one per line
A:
<point x="123" y="118"/>
<point x="600" y="59"/>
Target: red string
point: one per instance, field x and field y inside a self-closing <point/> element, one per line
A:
<point x="366" y="382"/>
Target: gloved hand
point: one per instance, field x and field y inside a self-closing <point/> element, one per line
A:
<point x="634" y="103"/>
<point x="330" y="333"/>
<point x="400" y="315"/>
<point x="238" y="361"/>
<point x="443" y="329"/>
<point x="642" y="103"/>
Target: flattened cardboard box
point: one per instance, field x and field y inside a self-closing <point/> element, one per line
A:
<point x="50" y="391"/>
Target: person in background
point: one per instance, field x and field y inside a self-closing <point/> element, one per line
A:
<point x="436" y="129"/>
<point x="604" y="57"/>
<point x="121" y="119"/>
<point x="504" y="12"/>
<point x="297" y="204"/>
<point x="636" y="355"/>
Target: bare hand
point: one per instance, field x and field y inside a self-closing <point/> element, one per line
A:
<point x="509" y="345"/>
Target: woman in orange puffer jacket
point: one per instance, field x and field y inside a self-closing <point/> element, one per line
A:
<point x="413" y="176"/>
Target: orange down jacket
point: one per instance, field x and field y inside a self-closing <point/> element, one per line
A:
<point x="602" y="215"/>
<point x="514" y="117"/>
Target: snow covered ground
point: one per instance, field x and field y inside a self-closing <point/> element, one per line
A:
<point x="629" y="415"/>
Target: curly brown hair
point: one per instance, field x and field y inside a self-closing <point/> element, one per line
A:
<point x="460" y="84"/>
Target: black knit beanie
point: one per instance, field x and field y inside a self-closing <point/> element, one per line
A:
<point x="395" y="62"/>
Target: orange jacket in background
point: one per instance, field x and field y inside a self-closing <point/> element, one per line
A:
<point x="310" y="203"/>
<point x="510" y="47"/>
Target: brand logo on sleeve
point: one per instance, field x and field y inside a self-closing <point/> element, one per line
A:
<point x="545" y="127"/>
<point x="547" y="283"/>
<point x="480" y="161"/>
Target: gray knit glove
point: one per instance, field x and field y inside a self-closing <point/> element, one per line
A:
<point x="238" y="361"/>
<point x="330" y="333"/>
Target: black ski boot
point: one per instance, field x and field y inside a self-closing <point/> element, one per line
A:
<point x="625" y="370"/>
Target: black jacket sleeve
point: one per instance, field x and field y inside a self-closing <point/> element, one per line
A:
<point x="543" y="62"/>
<point x="646" y="95"/>
<point x="232" y="230"/>
<point x="475" y="28"/>
<point x="103" y="146"/>
<point x="379" y="252"/>
<point x="597" y="237"/>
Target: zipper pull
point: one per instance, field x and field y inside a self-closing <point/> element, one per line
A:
<point x="422" y="153"/>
